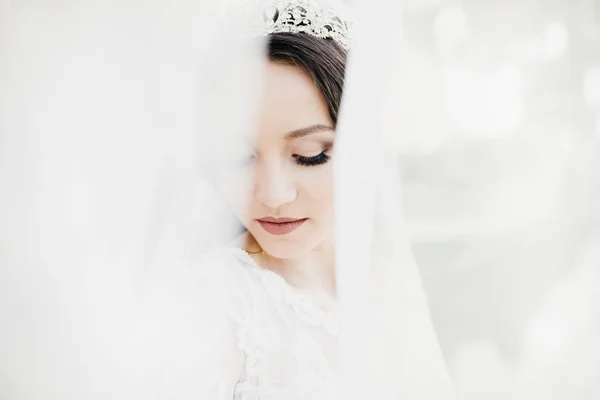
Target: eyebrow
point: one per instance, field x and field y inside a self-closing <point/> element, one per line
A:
<point x="308" y="130"/>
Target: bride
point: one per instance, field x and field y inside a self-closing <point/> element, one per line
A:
<point x="279" y="337"/>
<point x="281" y="280"/>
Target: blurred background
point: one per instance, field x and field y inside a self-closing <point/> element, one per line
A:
<point x="500" y="158"/>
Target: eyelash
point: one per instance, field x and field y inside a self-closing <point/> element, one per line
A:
<point x="319" y="159"/>
<point x="314" y="161"/>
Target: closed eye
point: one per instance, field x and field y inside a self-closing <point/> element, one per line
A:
<point x="319" y="159"/>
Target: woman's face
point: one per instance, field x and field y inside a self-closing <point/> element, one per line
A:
<point x="285" y="170"/>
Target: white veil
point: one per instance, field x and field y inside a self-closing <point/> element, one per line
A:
<point x="108" y="115"/>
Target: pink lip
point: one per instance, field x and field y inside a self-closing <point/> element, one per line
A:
<point x="280" y="226"/>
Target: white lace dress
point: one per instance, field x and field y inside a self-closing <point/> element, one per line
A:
<point x="270" y="341"/>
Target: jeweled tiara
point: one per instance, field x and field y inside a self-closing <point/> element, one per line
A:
<point x="307" y="16"/>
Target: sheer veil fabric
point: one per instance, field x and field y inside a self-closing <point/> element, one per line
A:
<point x="110" y="120"/>
<point x="402" y="358"/>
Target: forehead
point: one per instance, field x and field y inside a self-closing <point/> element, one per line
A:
<point x="290" y="101"/>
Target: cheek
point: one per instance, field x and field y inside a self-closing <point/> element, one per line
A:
<point x="317" y="185"/>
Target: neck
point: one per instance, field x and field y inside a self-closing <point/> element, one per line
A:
<point x="313" y="273"/>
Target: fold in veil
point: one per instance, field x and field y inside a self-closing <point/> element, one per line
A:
<point x="109" y="115"/>
<point x="397" y="348"/>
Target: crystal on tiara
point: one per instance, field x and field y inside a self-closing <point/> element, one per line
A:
<point x="305" y="16"/>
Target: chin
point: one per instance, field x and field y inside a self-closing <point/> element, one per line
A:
<point x="290" y="249"/>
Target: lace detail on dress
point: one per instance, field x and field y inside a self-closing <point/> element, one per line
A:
<point x="280" y="290"/>
<point x="287" y="341"/>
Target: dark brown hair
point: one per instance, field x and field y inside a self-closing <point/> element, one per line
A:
<point x="322" y="59"/>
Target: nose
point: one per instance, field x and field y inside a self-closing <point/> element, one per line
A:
<point x="273" y="186"/>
